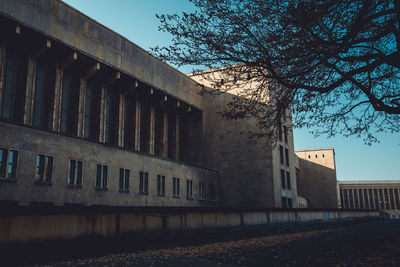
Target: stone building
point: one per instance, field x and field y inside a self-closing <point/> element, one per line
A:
<point x="316" y="177"/>
<point x="89" y="118"/>
<point x="371" y="195"/>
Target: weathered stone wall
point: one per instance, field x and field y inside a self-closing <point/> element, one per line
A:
<point x="26" y="228"/>
<point x="29" y="142"/>
<point x="245" y="166"/>
<point x="61" y="22"/>
<point x="317" y="177"/>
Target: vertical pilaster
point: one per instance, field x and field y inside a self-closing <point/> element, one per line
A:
<point x="102" y="115"/>
<point x="152" y="128"/>
<point x="177" y="135"/>
<point x="394" y="199"/>
<point x="2" y="64"/>
<point x="368" y="199"/>
<point x="354" y="199"/>
<point x="30" y="91"/>
<point x="121" y="118"/>
<point x="57" y="100"/>
<point x="389" y="200"/>
<point x="165" y="136"/>
<point x="363" y="198"/>
<point x="137" y="126"/>
<point x="348" y="198"/>
<point x="81" y="107"/>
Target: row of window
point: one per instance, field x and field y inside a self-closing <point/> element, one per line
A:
<point x="44" y="174"/>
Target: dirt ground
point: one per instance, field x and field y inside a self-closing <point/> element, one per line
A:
<point x="373" y="243"/>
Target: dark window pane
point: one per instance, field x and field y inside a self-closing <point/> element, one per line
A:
<point x="98" y="176"/>
<point x="121" y="179"/>
<point x="105" y="173"/>
<point x="71" y="178"/>
<point x="288" y="180"/>
<point x="126" y="179"/>
<point x="49" y="164"/>
<point x="79" y="173"/>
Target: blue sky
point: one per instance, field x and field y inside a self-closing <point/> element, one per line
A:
<point x="135" y="19"/>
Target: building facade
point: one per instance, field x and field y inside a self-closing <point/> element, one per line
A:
<point x="371" y="195"/>
<point x="316" y="177"/>
<point x="89" y="118"/>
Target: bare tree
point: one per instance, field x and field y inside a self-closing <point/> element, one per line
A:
<point x="339" y="61"/>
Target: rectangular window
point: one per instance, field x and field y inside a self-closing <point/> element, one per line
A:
<point x="92" y="109"/>
<point x="101" y="177"/>
<point x="290" y="203"/>
<point x="70" y="98"/>
<point x="130" y="120"/>
<point x="161" y="185"/>
<point x="8" y="163"/>
<point x="202" y="191"/>
<point x="44" y="169"/>
<point x="175" y="187"/>
<point x="123" y="180"/>
<point x="143" y="183"/>
<point x="44" y="93"/>
<point x="211" y="191"/>
<point x="189" y="189"/>
<point x="287" y="156"/>
<point x="283" y="179"/>
<point x="112" y="114"/>
<point x="75" y="173"/>
<point x="281" y="155"/>
<point x="284" y="202"/>
<point x="288" y="180"/>
<point x="12" y="100"/>
<point x="285" y="133"/>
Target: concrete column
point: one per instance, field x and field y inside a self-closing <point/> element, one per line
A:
<point x="137" y="126"/>
<point x="57" y="100"/>
<point x="368" y="199"/>
<point x="2" y="63"/>
<point x="165" y="136"/>
<point x="364" y="197"/>
<point x="121" y="118"/>
<point x="353" y="197"/>
<point x="373" y="199"/>
<point x="348" y="198"/>
<point x="177" y="143"/>
<point x="152" y="128"/>
<point x="102" y="115"/>
<point x="30" y="91"/>
<point x="81" y="106"/>
<point x="379" y="200"/>
<point x="394" y="199"/>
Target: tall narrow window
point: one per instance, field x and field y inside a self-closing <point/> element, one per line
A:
<point x="145" y="124"/>
<point x="211" y="191"/>
<point x="101" y="177"/>
<point x="288" y="180"/>
<point x="283" y="184"/>
<point x="112" y="120"/>
<point x="92" y="109"/>
<point x="124" y="180"/>
<point x="75" y="173"/>
<point x="160" y="185"/>
<point x="171" y="134"/>
<point x="44" y="93"/>
<point x="143" y="183"/>
<point x="285" y="133"/>
<point x="70" y="98"/>
<point x="44" y="169"/>
<point x="159" y="131"/>
<point x="12" y="100"/>
<point x="189" y="189"/>
<point x="8" y="163"/>
<point x="287" y="156"/>
<point x="281" y="155"/>
<point x="175" y="187"/>
<point x="202" y="191"/>
<point x="130" y="121"/>
<point x="284" y="202"/>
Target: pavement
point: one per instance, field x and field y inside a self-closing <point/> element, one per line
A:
<point x="371" y="243"/>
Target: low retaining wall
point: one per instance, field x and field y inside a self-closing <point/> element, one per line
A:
<point x="37" y="223"/>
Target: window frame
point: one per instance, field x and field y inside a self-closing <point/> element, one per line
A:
<point x="176" y="187"/>
<point x="189" y="189"/>
<point x="160" y="185"/>
<point x="4" y="168"/>
<point x="124" y="180"/>
<point x="143" y="183"/>
<point x="47" y="180"/>
<point x="202" y="191"/>
<point x="103" y="185"/>
<point x="75" y="184"/>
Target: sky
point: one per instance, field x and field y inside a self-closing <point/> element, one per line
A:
<point x="136" y="20"/>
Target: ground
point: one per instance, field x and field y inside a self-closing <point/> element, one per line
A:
<point x="371" y="243"/>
